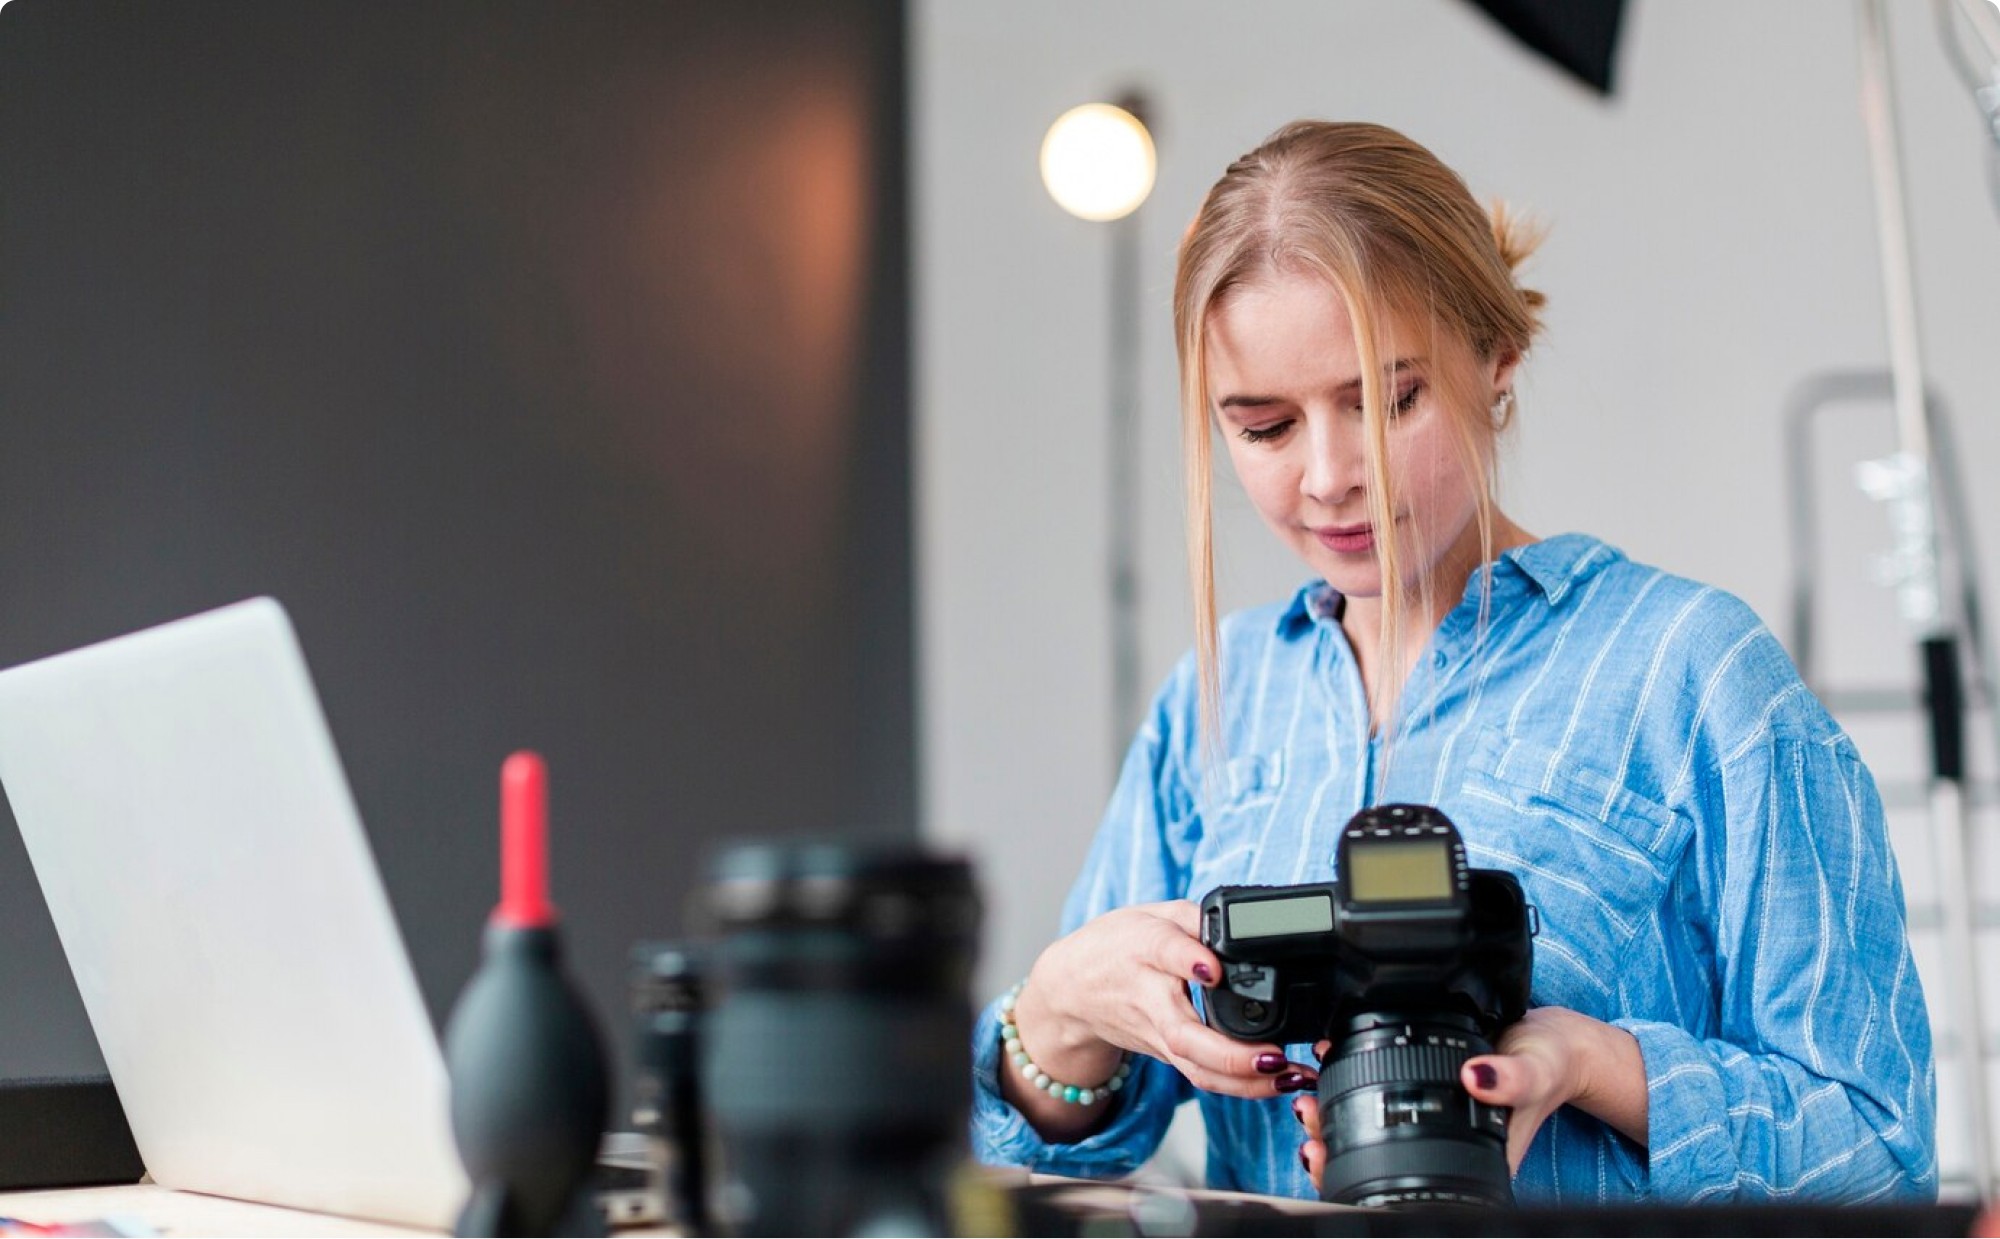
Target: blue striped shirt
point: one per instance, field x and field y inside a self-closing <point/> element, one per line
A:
<point x="1704" y="846"/>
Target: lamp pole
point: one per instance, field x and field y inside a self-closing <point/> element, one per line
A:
<point x="1098" y="163"/>
<point x="1123" y="498"/>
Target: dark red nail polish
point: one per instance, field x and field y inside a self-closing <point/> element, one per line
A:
<point x="1484" y="1075"/>
<point x="1294" y="1081"/>
<point x="1204" y="974"/>
<point x="1304" y="1165"/>
<point x="1298" y="1111"/>
<point x="1270" y="1063"/>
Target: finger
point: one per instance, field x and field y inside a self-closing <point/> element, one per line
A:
<point x="1235" y="1084"/>
<point x="1520" y="1135"/>
<point x="1505" y="1081"/>
<point x="1320" y="1049"/>
<point x="1255" y="1088"/>
<point x="1313" y="1153"/>
<point x="1180" y="954"/>
<point x="1495" y="1080"/>
<point x="1184" y="914"/>
<point x="1305" y="1108"/>
<point x="1274" y="1064"/>
<point x="1297" y="1080"/>
<point x="1221" y="1064"/>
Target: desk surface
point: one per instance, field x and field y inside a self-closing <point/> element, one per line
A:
<point x="177" y="1213"/>
<point x="182" y="1213"/>
<point x="172" y="1212"/>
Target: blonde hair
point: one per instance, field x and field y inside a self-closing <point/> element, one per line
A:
<point x="1398" y="236"/>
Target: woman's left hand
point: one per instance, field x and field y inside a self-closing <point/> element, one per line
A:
<point x="1540" y="1065"/>
<point x="1551" y="1058"/>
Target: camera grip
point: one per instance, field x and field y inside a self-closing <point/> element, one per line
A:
<point x="1246" y="1019"/>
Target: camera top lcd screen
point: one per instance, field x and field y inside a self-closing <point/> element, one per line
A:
<point x="1272" y="918"/>
<point x="1399" y="872"/>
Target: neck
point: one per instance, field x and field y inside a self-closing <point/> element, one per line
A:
<point x="1362" y="618"/>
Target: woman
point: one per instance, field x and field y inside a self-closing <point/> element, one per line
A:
<point x="1724" y="1003"/>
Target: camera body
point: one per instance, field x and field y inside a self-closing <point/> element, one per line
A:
<point x="1408" y="963"/>
<point x="1405" y="925"/>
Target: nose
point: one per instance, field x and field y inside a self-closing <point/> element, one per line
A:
<point x="1336" y="463"/>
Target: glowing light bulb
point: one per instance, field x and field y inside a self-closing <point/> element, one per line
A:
<point x="1098" y="162"/>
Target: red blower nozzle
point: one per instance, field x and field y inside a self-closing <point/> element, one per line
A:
<point x="524" y="843"/>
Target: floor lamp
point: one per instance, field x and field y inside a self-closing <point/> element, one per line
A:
<point x="1098" y="163"/>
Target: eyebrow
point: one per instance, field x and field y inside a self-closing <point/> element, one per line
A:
<point x="1402" y="365"/>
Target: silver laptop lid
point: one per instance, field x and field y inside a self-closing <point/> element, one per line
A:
<point x="186" y="814"/>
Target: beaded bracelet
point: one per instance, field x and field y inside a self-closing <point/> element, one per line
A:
<point x="1010" y="1042"/>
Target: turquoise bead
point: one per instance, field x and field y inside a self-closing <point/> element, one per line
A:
<point x="1071" y="1092"/>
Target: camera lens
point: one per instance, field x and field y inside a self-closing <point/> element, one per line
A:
<point x="836" y="1066"/>
<point x="1399" y="1127"/>
<point x="669" y="1000"/>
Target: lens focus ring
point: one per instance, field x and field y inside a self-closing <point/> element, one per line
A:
<point x="1397" y="1064"/>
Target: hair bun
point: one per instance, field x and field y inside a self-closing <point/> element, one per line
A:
<point x="1517" y="239"/>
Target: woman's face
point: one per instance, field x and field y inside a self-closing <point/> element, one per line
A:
<point x="1284" y="378"/>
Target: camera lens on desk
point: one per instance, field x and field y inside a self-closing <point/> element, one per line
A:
<point x="835" y="1065"/>
<point x="669" y="1002"/>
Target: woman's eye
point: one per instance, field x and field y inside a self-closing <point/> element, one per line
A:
<point x="1264" y="434"/>
<point x="1406" y="401"/>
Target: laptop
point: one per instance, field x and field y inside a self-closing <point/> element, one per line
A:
<point x="202" y="858"/>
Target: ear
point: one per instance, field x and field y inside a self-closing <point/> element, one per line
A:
<point x="1504" y="365"/>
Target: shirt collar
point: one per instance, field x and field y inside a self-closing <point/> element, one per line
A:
<point x="1557" y="565"/>
<point x="1553" y="565"/>
<point x="1316" y="600"/>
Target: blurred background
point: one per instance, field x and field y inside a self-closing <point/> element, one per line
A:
<point x="711" y="395"/>
<point x="549" y="362"/>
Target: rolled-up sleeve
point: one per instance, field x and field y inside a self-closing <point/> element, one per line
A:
<point x="1000" y="1136"/>
<point x="1819" y="1083"/>
<point x="1139" y="855"/>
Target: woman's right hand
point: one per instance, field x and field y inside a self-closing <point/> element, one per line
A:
<point x="1120" y="983"/>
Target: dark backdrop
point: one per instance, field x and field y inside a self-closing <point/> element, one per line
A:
<point x="546" y="360"/>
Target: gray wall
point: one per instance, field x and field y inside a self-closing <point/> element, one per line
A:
<point x="1712" y="243"/>
<point x="547" y="361"/>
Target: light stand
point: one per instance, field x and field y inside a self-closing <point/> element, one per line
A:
<point x="1902" y="482"/>
<point x="1099" y="163"/>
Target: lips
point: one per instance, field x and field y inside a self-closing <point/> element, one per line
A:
<point x="1346" y="539"/>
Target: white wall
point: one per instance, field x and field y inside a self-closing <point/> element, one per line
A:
<point x="1713" y="243"/>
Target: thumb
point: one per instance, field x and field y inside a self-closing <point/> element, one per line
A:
<point x="1490" y="1079"/>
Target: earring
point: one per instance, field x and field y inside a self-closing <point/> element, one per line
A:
<point x="1502" y="403"/>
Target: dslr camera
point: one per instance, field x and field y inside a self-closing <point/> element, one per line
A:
<point x="1408" y="963"/>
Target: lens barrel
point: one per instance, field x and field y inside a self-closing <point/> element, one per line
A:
<point x="835" y="1068"/>
<point x="1399" y="1128"/>
<point x="669" y="1004"/>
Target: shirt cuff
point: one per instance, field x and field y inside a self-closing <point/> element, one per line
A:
<point x="1690" y="1156"/>
<point x="1002" y="1137"/>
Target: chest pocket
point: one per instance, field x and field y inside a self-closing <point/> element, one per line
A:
<point x="1595" y="858"/>
<point x="1236" y="804"/>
